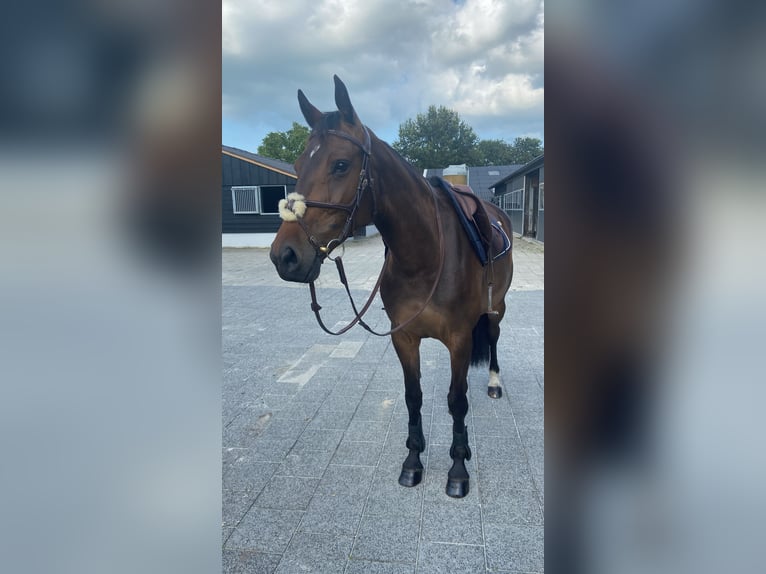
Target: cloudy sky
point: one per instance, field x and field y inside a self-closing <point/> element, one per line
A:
<point x="481" y="58"/>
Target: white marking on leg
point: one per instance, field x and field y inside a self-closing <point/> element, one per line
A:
<point x="494" y="379"/>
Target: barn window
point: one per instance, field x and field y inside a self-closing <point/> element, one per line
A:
<point x="542" y="197"/>
<point x="257" y="199"/>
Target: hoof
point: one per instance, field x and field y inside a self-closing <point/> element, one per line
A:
<point x="457" y="488"/>
<point x="410" y="477"/>
<point x="495" y="392"/>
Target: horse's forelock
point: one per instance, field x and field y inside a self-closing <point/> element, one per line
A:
<point x="329" y="121"/>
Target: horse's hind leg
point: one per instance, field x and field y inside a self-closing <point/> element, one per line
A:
<point x="408" y="350"/>
<point x="457" y="478"/>
<point x="494" y="390"/>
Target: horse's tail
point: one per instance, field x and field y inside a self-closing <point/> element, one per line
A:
<point x="480" y="350"/>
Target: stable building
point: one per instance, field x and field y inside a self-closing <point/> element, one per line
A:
<point x="521" y="194"/>
<point x="479" y="178"/>
<point x="252" y="186"/>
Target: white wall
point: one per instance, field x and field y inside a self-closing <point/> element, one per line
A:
<point x="247" y="239"/>
<point x="264" y="239"/>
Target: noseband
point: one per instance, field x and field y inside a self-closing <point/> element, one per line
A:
<point x="294" y="206"/>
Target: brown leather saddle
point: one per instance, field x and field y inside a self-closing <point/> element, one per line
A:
<point x="487" y="234"/>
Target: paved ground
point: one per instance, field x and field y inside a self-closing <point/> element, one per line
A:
<point x="315" y="426"/>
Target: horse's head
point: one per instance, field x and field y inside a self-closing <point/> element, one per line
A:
<point x="330" y="198"/>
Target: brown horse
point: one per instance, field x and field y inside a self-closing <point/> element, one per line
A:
<point x="432" y="283"/>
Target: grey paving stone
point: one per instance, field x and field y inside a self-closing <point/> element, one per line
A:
<point x="499" y="451"/>
<point x="441" y="434"/>
<point x="376" y="410"/>
<point x="321" y="440"/>
<point x="536" y="458"/>
<point x="363" y="396"/>
<point x="289" y="492"/>
<point x="346" y="481"/>
<point x="277" y="402"/>
<point x="349" y="390"/>
<point x="483" y="406"/>
<point x="271" y="450"/>
<point x="248" y="474"/>
<point x="246" y="428"/>
<point x="234" y="505"/>
<point x="452" y="521"/>
<point x="387" y="538"/>
<point x="357" y="453"/>
<point x="360" y="429"/>
<point x="340" y="402"/>
<point x="228" y="456"/>
<point x="514" y="547"/>
<point x="449" y="558"/>
<point x="387" y="496"/>
<point x="337" y="516"/>
<point x="503" y="503"/>
<point x="316" y="552"/>
<point x="309" y="464"/>
<point x="247" y="562"/>
<point x="265" y="530"/>
<point x="513" y="474"/>
<point x="300" y="410"/>
<point x="494" y="426"/>
<point x="225" y="533"/>
<point x="282" y="429"/>
<point x="334" y="420"/>
<point x="369" y="567"/>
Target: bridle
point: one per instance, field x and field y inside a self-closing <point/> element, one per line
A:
<point x="365" y="183"/>
<point x="292" y="209"/>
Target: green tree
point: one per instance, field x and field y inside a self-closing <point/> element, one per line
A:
<point x="526" y="149"/>
<point x="286" y="146"/>
<point x="436" y="139"/>
<point x="494" y="152"/>
<point x="499" y="152"/>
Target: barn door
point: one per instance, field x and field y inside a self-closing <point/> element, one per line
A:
<point x="530" y="204"/>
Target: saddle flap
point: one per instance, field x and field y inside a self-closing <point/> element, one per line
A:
<point x="486" y="237"/>
<point x="466" y="198"/>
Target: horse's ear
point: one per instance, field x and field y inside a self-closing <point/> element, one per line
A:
<point x="311" y="114"/>
<point x="344" y="102"/>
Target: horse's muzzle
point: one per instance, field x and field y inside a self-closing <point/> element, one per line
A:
<point x="292" y="267"/>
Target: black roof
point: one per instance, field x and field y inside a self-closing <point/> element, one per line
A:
<point x="538" y="161"/>
<point x="480" y="178"/>
<point x="263" y="161"/>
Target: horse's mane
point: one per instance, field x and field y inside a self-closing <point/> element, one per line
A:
<point x="415" y="173"/>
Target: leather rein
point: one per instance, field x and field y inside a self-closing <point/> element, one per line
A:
<point x="365" y="183"/>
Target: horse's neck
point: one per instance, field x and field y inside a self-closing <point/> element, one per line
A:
<point x="405" y="214"/>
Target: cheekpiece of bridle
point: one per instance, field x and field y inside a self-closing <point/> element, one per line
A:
<point x="294" y="206"/>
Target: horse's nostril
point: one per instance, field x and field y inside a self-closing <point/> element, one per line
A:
<point x="288" y="257"/>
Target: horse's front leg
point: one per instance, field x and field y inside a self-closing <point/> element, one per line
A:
<point x="408" y="349"/>
<point x="457" y="478"/>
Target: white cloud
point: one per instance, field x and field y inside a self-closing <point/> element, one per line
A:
<point x="483" y="58"/>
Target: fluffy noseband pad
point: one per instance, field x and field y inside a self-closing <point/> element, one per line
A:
<point x="292" y="208"/>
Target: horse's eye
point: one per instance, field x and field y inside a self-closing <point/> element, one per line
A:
<point x="340" y="167"/>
